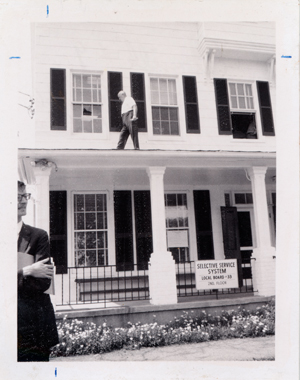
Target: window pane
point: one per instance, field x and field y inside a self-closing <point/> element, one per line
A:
<point x="232" y="89"/>
<point x="164" y="112"/>
<point x="87" y="95"/>
<point x="155" y="113"/>
<point x="156" y="127"/>
<point x="91" y="258"/>
<point x="163" y="87"/>
<point x="77" y="125"/>
<point x="173" y="114"/>
<point x="234" y="102"/>
<point x="242" y="103"/>
<point x="239" y="198"/>
<point x="97" y="125"/>
<point x="174" y="128"/>
<point x="172" y="85"/>
<point x="165" y="128"/>
<point x="97" y="111"/>
<point x="77" y="111"/>
<point x="79" y="258"/>
<point x="249" y="198"/>
<point x="87" y="126"/>
<point x="173" y="98"/>
<point x="77" y="80"/>
<point x="101" y="239"/>
<point x="250" y="103"/>
<point x="100" y="221"/>
<point x="95" y="96"/>
<point x="154" y="84"/>
<point x="90" y="239"/>
<point x="78" y="97"/>
<point x="90" y="202"/>
<point x="90" y="221"/>
<point x="248" y="89"/>
<point x="240" y="89"/>
<point x="102" y="257"/>
<point x="87" y="110"/>
<point x="96" y="81"/>
<point x="101" y="202"/>
<point x="86" y="81"/>
<point x="154" y="97"/>
<point x="79" y="240"/>
<point x="164" y="98"/>
<point x="171" y="200"/>
<point x="79" y="202"/>
<point x="80" y="221"/>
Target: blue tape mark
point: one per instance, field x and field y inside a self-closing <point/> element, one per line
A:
<point x="14" y="57"/>
<point x="47" y="10"/>
<point x="286" y="56"/>
<point x="55" y="372"/>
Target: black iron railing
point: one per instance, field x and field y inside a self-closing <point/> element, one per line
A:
<point x="186" y="281"/>
<point x="105" y="285"/>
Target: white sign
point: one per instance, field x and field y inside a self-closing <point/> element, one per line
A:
<point x="216" y="274"/>
<point x="177" y="239"/>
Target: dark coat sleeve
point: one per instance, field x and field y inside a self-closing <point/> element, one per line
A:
<point x="41" y="249"/>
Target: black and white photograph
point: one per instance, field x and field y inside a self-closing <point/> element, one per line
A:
<point x="147" y="193"/>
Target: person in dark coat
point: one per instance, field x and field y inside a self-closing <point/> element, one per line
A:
<point x="37" y="331"/>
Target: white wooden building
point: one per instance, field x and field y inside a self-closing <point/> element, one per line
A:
<point x="202" y="186"/>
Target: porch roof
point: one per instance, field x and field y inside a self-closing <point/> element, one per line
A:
<point x="112" y="158"/>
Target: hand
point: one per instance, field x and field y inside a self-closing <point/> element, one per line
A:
<point x="39" y="269"/>
<point x="134" y="118"/>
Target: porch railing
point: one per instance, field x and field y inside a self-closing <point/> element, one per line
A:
<point x="110" y="284"/>
<point x="105" y="285"/>
<point x="186" y="281"/>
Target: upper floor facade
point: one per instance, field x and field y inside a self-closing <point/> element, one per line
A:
<point x="198" y="86"/>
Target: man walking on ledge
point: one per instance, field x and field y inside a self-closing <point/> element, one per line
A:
<point x="129" y="116"/>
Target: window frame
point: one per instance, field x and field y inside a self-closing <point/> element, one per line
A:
<point x="104" y="135"/>
<point x="180" y="104"/>
<point x="183" y="228"/>
<point x="72" y="235"/>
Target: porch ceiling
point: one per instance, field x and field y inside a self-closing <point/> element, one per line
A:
<point x="74" y="158"/>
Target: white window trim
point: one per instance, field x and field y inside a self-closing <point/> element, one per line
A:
<point x="104" y="135"/>
<point x="72" y="234"/>
<point x="255" y="110"/>
<point x="182" y="137"/>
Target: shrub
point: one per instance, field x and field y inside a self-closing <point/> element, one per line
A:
<point x="82" y="338"/>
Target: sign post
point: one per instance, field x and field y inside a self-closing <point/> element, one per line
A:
<point x="216" y="274"/>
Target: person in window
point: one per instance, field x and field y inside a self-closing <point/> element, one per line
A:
<point x="37" y="331"/>
<point x="129" y="116"/>
<point x="251" y="131"/>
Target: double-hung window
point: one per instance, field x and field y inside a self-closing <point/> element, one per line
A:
<point x="164" y="106"/>
<point x="90" y="230"/>
<point x="87" y="104"/>
<point x="242" y="110"/>
<point x="177" y="226"/>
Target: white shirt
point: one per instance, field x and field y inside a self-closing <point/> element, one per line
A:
<point x="127" y="104"/>
<point x="20" y="225"/>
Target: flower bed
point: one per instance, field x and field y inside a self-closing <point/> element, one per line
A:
<point x="79" y="338"/>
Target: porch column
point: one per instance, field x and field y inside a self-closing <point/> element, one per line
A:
<point x="42" y="175"/>
<point x="263" y="267"/>
<point x="162" y="270"/>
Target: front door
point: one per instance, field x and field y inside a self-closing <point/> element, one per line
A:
<point x="231" y="237"/>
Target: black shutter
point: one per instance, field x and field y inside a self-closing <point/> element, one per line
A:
<point x="115" y="84"/>
<point x="123" y="230"/>
<point x="223" y="109"/>
<point x="138" y="93"/>
<point x="58" y="99"/>
<point x="231" y="238"/>
<point x="191" y="104"/>
<point x="265" y="106"/>
<point x="204" y="231"/>
<point x="58" y="230"/>
<point x="143" y="226"/>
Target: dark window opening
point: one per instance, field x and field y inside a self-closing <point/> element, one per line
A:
<point x="243" y="125"/>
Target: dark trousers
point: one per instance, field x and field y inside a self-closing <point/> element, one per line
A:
<point x="129" y="128"/>
<point x="33" y="355"/>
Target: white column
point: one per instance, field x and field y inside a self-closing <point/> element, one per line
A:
<point x="263" y="267"/>
<point x="162" y="270"/>
<point x="42" y="175"/>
